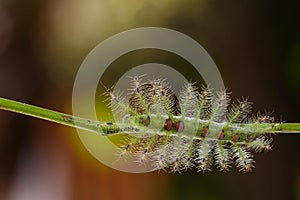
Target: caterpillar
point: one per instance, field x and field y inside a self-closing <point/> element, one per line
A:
<point x="196" y="130"/>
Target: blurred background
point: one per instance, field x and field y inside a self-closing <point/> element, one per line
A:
<point x="255" y="44"/>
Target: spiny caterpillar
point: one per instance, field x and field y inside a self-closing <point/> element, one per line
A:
<point x="195" y="130"/>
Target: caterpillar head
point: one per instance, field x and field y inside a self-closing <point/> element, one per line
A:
<point x="196" y="130"/>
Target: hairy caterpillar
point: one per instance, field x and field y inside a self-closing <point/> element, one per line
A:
<point x="195" y="130"/>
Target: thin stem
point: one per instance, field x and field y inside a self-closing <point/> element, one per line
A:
<point x="50" y="115"/>
<point x="287" y="128"/>
<point x="93" y="125"/>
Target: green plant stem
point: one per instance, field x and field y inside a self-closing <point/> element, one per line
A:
<point x="93" y="125"/>
<point x="287" y="128"/>
<point x="50" y="115"/>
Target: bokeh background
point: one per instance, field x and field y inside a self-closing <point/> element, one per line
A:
<point x="255" y="44"/>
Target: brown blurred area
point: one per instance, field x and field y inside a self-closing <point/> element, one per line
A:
<point x="255" y="44"/>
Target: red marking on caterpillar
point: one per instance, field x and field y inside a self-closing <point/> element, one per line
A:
<point x="168" y="124"/>
<point x="179" y="126"/>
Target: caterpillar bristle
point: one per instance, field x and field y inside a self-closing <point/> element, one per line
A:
<point x="239" y="111"/>
<point x="188" y="100"/>
<point x="196" y="130"/>
<point x="243" y="158"/>
<point x="204" y="158"/>
<point x="219" y="106"/>
<point x="159" y="162"/>
<point x="223" y="156"/>
<point x="261" y="143"/>
<point x="124" y="151"/>
<point x="205" y="101"/>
